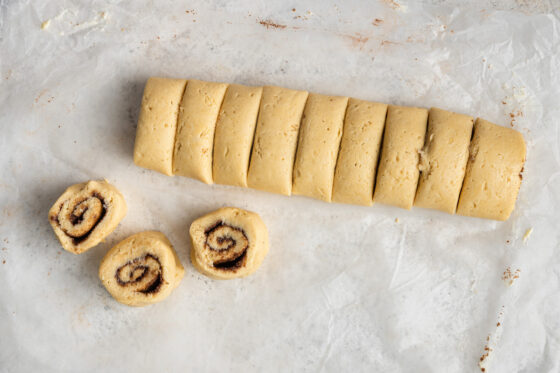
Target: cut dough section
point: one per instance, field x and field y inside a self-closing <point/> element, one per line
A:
<point x="359" y="150"/>
<point x="443" y="160"/>
<point x="157" y="124"/>
<point x="198" y="113"/>
<point x="397" y="175"/>
<point x="142" y="269"/>
<point x="228" y="243"/>
<point x="493" y="176"/>
<point x="85" y="214"/>
<point x="234" y="134"/>
<point x="274" y="147"/>
<point x="318" y="144"/>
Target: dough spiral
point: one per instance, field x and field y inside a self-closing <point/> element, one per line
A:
<point x="228" y="243"/>
<point x="142" y="269"/>
<point x="85" y="214"/>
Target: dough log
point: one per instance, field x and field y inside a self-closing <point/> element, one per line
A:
<point x="319" y="141"/>
<point x="141" y="270"/>
<point x="85" y="214"/>
<point x="493" y="176"/>
<point x="397" y="175"/>
<point x="443" y="160"/>
<point x="157" y="124"/>
<point x="359" y="151"/>
<point x="196" y="125"/>
<point x="234" y="134"/>
<point x="228" y="243"/>
<point x="276" y="136"/>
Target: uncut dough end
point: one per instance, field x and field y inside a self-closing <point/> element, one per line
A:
<point x="196" y="124"/>
<point x="443" y="160"/>
<point x="493" y="176"/>
<point x="157" y="124"/>
<point x="359" y="151"/>
<point x="397" y="175"/>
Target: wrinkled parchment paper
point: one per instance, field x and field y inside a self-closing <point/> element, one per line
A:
<point x="344" y="288"/>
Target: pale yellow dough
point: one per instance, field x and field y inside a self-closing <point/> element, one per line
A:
<point x="234" y="134"/>
<point x="85" y="214"/>
<point x="196" y="125"/>
<point x="493" y="176"/>
<point x="228" y="243"/>
<point x="142" y="269"/>
<point x="318" y="144"/>
<point x="157" y="124"/>
<point x="359" y="150"/>
<point x="274" y="147"/>
<point x="397" y="175"/>
<point x="443" y="160"/>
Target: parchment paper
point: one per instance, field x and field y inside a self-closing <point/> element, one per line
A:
<point x="343" y="288"/>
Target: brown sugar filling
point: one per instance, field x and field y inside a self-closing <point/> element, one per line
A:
<point x="227" y="246"/>
<point x="143" y="274"/>
<point x="77" y="215"/>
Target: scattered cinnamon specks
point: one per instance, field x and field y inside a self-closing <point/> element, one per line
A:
<point x="509" y="277"/>
<point x="358" y="40"/>
<point x="190" y="11"/>
<point x="377" y="22"/>
<point x="513" y="115"/>
<point x="4" y="261"/>
<point x="269" y="24"/>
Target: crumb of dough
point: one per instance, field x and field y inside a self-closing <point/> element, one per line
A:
<point x="396" y="220"/>
<point x="45" y="24"/>
<point x="527" y="234"/>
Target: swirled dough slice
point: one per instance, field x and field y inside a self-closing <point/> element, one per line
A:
<point x="493" y="176"/>
<point x="274" y="147"/>
<point x="194" y="142"/>
<point x="397" y="175"/>
<point x="443" y="160"/>
<point x="318" y="144"/>
<point x="157" y="124"/>
<point x="142" y="269"/>
<point x="359" y="151"/>
<point x="234" y="134"/>
<point x="228" y="243"/>
<point x="85" y="214"/>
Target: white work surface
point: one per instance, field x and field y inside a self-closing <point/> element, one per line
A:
<point x="343" y="288"/>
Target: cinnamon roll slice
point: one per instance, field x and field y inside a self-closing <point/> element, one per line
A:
<point x="142" y="269"/>
<point x="85" y="214"/>
<point x="228" y="243"/>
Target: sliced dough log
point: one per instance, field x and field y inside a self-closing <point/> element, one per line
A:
<point x="443" y="160"/>
<point x="318" y="144"/>
<point x="157" y="124"/>
<point x="142" y="269"/>
<point x="274" y="146"/>
<point x="234" y="134"/>
<point x="228" y="243"/>
<point x="198" y="113"/>
<point x="359" y="150"/>
<point x="397" y="175"/>
<point x="85" y="214"/>
<point x="493" y="176"/>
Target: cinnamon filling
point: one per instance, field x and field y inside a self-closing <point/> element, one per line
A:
<point x="143" y="274"/>
<point x="79" y="217"/>
<point x="227" y="246"/>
